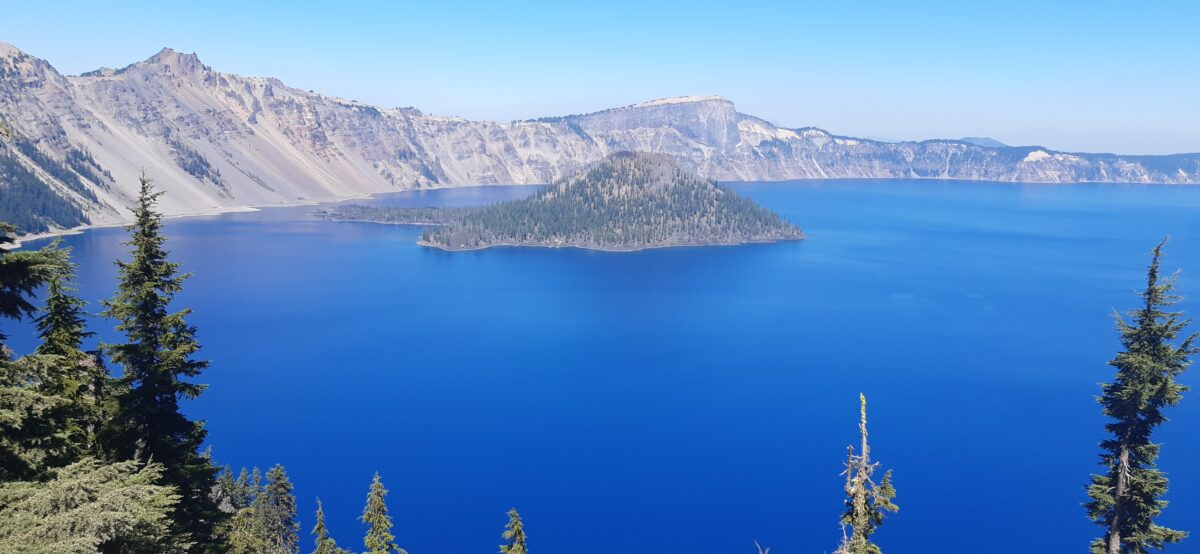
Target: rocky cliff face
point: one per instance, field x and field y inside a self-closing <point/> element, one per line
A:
<point x="218" y="141"/>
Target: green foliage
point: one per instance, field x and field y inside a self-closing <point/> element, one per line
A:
<point x="88" y="507"/>
<point x="62" y="322"/>
<point x="1127" y="498"/>
<point x="263" y="517"/>
<point x="866" y="501"/>
<point x="275" y="511"/>
<point x="323" y="542"/>
<point x="78" y="377"/>
<point x="628" y="201"/>
<point x="45" y="419"/>
<point x="242" y="533"/>
<point x="157" y="359"/>
<point x="379" y="539"/>
<point x="34" y="425"/>
<point x="21" y="273"/>
<point x="514" y="533"/>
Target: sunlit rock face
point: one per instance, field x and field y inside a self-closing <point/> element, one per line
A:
<point x="217" y="141"/>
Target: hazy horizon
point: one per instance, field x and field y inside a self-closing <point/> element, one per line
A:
<point x="1094" y="78"/>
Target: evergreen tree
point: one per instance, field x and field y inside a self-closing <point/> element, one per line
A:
<point x="243" y="534"/>
<point x="514" y="533"/>
<point x="62" y="323"/>
<point x="21" y="273"/>
<point x="275" y="513"/>
<point x="866" y="502"/>
<point x="79" y="377"/>
<point x="89" y="507"/>
<point x="34" y="425"/>
<point x="324" y="543"/>
<point x="156" y="360"/>
<point x="1126" y="499"/>
<point x="379" y="539"/>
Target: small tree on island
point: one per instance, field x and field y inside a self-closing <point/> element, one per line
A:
<point x="1127" y="497"/>
<point x="866" y="501"/>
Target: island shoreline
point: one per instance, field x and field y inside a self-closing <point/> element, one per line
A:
<point x="426" y="244"/>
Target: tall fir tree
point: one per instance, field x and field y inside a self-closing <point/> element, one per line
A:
<point x="866" y="501"/>
<point x="62" y="321"/>
<point x="156" y="359"/>
<point x="514" y="533"/>
<point x="32" y="420"/>
<point x="80" y="377"/>
<point x="275" y="512"/>
<point x="1127" y="498"/>
<point x="379" y="539"/>
<point x="323" y="542"/>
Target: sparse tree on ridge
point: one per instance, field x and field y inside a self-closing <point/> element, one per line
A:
<point x="1127" y="498"/>
<point x="866" y="501"/>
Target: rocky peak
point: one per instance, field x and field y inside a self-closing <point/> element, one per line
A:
<point x="8" y="51"/>
<point x="178" y="62"/>
<point x="677" y="100"/>
<point x="19" y="70"/>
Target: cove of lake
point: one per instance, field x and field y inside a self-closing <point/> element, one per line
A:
<point x="687" y="399"/>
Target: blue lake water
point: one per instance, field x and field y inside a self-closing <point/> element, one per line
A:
<point x="689" y="399"/>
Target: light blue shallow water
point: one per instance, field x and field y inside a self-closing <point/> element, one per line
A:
<point x="691" y="399"/>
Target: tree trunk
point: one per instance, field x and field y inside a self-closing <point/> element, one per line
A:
<point x="1114" y="528"/>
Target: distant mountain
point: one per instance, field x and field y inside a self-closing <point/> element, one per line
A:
<point x="986" y="142"/>
<point x="71" y="147"/>
<point x="628" y="201"/>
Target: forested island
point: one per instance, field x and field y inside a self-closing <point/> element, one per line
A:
<point x="395" y="216"/>
<point x="628" y="201"/>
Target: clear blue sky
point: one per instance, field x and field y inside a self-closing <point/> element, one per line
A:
<point x="1099" y="75"/>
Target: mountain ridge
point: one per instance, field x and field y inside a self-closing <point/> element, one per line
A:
<point x="217" y="141"/>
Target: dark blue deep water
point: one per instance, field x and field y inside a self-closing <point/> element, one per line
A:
<point x="693" y="399"/>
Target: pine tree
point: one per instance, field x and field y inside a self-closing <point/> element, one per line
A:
<point x="156" y="360"/>
<point x="379" y="539"/>
<point x="514" y="533"/>
<point x="275" y="514"/>
<point x="1126" y="499"/>
<point x="866" y="502"/>
<point x="324" y="543"/>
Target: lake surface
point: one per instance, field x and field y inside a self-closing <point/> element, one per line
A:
<point x="689" y="399"/>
